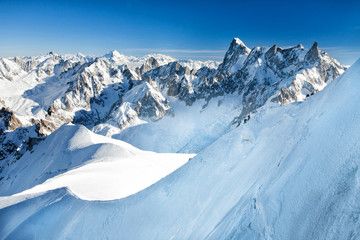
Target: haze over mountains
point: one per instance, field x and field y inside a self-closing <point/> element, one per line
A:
<point x="271" y="146"/>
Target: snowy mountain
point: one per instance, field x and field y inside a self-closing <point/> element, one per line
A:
<point x="270" y="141"/>
<point x="252" y="183"/>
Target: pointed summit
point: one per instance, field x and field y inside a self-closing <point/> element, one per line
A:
<point x="115" y="54"/>
<point x="149" y="64"/>
<point x="315" y="45"/>
<point x="313" y="54"/>
<point x="235" y="56"/>
<point x="117" y="57"/>
<point x="273" y="49"/>
<point x="236" y="43"/>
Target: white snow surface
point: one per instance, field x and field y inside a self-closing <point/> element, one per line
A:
<point x="192" y="127"/>
<point x="291" y="172"/>
<point x="91" y="166"/>
<point x="194" y="64"/>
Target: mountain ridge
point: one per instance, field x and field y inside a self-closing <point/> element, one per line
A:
<point x="96" y="91"/>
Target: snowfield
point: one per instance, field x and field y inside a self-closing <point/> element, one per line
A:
<point x="291" y="172"/>
<point x="91" y="167"/>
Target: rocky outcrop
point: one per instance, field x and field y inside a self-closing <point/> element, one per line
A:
<point x="8" y="120"/>
<point x="149" y="64"/>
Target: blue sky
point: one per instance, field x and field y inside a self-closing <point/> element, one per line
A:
<point x="184" y="29"/>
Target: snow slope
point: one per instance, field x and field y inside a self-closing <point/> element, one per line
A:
<point x="192" y="127"/>
<point x="91" y="166"/>
<point x="290" y="172"/>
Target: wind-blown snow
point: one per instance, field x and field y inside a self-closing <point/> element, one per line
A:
<point x="289" y="173"/>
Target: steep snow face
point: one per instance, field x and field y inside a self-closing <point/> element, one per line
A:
<point x="192" y="127"/>
<point x="252" y="183"/>
<point x="10" y="70"/>
<point x="91" y="166"/>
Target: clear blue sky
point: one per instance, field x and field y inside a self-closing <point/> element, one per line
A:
<point x="184" y="29"/>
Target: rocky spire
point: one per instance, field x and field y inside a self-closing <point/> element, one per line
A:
<point x="313" y="54"/>
<point x="149" y="64"/>
<point x="235" y="55"/>
<point x="272" y="51"/>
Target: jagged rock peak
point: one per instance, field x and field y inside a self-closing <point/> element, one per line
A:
<point x="300" y="46"/>
<point x="274" y="49"/>
<point x="234" y="57"/>
<point x="149" y="64"/>
<point x="313" y="53"/>
<point x="315" y="45"/>
<point x="236" y="43"/>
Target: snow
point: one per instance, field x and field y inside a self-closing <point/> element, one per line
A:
<point x="114" y="170"/>
<point x="196" y="65"/>
<point x="239" y="42"/>
<point x="192" y="127"/>
<point x="107" y="178"/>
<point x="136" y="62"/>
<point x="30" y="93"/>
<point x="257" y="181"/>
<point x="291" y="172"/>
<point x="9" y="70"/>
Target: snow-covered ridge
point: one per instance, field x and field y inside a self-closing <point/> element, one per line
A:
<point x="90" y="166"/>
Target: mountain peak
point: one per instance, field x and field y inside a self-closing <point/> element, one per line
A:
<point x="315" y="45"/>
<point x="313" y="54"/>
<point x="115" y="53"/>
<point x="235" y="55"/>
<point x="237" y="43"/>
<point x="116" y="56"/>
